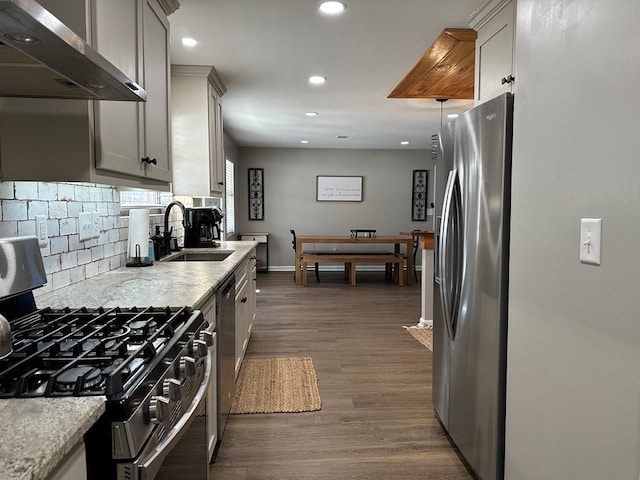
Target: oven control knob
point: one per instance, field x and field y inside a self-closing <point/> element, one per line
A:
<point x="159" y="409"/>
<point x="207" y="337"/>
<point x="187" y="366"/>
<point x="171" y="389"/>
<point x="201" y="348"/>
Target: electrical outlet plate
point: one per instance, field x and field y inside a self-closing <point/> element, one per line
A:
<point x="41" y="230"/>
<point x="590" y="240"/>
<point x="85" y="226"/>
<point x="96" y="224"/>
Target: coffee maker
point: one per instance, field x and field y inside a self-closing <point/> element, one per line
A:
<point x="203" y="227"/>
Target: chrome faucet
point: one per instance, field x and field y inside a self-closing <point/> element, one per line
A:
<point x="185" y="222"/>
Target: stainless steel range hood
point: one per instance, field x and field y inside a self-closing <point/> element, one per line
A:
<point x="41" y="57"/>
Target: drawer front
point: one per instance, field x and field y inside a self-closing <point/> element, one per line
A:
<point x="255" y="238"/>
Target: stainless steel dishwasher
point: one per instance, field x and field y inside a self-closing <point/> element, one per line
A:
<point x="225" y="303"/>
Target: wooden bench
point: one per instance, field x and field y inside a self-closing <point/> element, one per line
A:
<point x="351" y="259"/>
<point x="388" y="266"/>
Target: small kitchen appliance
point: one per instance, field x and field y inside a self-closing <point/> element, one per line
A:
<point x="152" y="366"/>
<point x="203" y="227"/>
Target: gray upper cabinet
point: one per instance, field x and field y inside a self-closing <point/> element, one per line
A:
<point x="118" y="143"/>
<point x="135" y="136"/>
<point x="197" y="131"/>
<point x="494" y="73"/>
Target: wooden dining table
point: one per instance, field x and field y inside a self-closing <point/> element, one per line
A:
<point x="396" y="240"/>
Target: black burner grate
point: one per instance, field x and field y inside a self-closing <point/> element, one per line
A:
<point x="73" y="352"/>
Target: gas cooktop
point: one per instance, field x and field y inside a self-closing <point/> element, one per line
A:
<point x="92" y="351"/>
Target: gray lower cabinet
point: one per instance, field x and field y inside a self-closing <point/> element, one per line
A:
<point x="73" y="466"/>
<point x="245" y="306"/>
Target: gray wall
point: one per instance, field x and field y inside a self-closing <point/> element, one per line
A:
<point x="290" y="193"/>
<point x="573" y="387"/>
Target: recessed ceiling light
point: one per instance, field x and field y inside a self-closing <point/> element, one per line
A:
<point x="189" y="42"/>
<point x="304" y="141"/>
<point x="404" y="142"/>
<point x="453" y="115"/>
<point x="332" y="8"/>
<point x="317" y="80"/>
<point x="311" y="114"/>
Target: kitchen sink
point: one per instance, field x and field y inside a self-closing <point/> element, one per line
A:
<point x="201" y="257"/>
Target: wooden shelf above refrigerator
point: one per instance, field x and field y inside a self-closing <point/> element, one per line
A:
<point x="446" y="70"/>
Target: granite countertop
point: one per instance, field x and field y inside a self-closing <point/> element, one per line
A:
<point x="37" y="433"/>
<point x="166" y="283"/>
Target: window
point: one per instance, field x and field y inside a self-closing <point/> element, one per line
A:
<point x="230" y="199"/>
<point x="153" y="200"/>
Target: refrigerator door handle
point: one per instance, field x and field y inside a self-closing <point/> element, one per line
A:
<point x="443" y="251"/>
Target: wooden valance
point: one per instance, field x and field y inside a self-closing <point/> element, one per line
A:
<point x="446" y="70"/>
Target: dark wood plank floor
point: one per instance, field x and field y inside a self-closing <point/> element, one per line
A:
<point x="376" y="420"/>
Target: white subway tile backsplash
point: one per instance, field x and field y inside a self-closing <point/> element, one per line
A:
<point x="52" y="263"/>
<point x="84" y="257"/>
<point x="7" y="190"/>
<point x="68" y="260"/>
<point x="74" y="209"/>
<point x="97" y="253"/>
<point x="68" y="226"/>
<point x="26" y="191"/>
<point x="76" y="244"/>
<point x="9" y="229"/>
<point x="47" y="191"/>
<point x="95" y="194"/>
<point x="109" y="250"/>
<point x="103" y="265"/>
<point x="61" y="279"/>
<point x="37" y="207"/>
<point x="112" y="235"/>
<point x="66" y="192"/>
<point x="91" y="269"/>
<point x="82" y="193"/>
<point x="58" y="209"/>
<point x="115" y="262"/>
<point x="59" y="244"/>
<point x="27" y="228"/>
<point x="76" y="274"/>
<point x="14" y="210"/>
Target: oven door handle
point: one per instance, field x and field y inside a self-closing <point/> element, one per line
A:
<point x="148" y="464"/>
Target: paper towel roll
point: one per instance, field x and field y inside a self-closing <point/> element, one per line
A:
<point x="138" y="232"/>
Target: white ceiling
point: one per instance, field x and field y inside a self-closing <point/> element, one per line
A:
<point x="265" y="50"/>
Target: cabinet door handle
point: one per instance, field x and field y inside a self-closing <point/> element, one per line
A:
<point x="244" y="300"/>
<point x="508" y="79"/>
<point x="148" y="160"/>
<point x="220" y="183"/>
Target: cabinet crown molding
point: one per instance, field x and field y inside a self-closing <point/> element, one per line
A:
<point x="485" y="12"/>
<point x="201" y="71"/>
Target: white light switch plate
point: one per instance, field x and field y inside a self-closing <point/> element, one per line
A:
<point x="41" y="230"/>
<point x="85" y="226"/>
<point x="590" y="240"/>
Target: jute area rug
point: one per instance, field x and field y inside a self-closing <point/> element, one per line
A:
<point x="424" y="335"/>
<point x="276" y="385"/>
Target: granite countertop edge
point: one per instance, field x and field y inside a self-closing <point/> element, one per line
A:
<point x="40" y="432"/>
<point x="43" y="431"/>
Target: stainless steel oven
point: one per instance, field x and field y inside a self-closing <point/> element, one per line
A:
<point x="152" y="366"/>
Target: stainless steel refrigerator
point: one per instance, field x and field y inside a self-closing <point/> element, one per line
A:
<point x="471" y="270"/>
